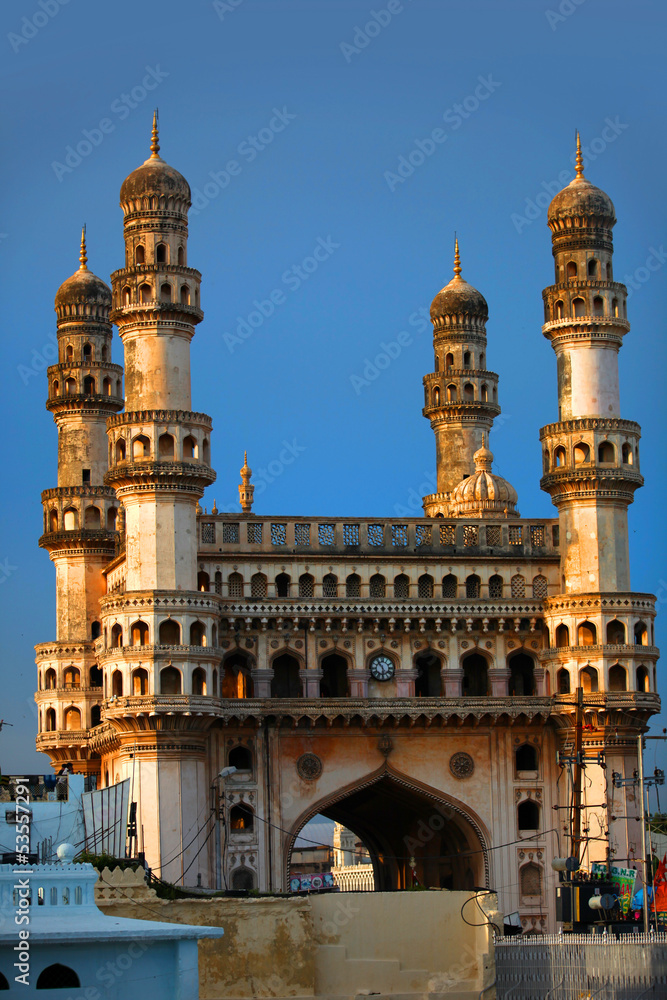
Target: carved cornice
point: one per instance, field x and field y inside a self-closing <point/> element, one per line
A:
<point x="96" y="405"/>
<point x="590" y="424"/>
<point x="475" y="410"/>
<point x="143" y="475"/>
<point x="160" y="417"/>
<point x="64" y="650"/>
<point x="609" y="650"/>
<point x="142" y="654"/>
<point x="65" y="492"/>
<point x="626" y="602"/>
<point x="89" y="541"/>
<point x="160" y="600"/>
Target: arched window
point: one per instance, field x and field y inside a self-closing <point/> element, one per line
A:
<point x="449" y="586"/>
<point x="428" y="683"/>
<point x="282" y="585"/>
<point x="522" y="675"/>
<point x="55" y="389"/>
<point x="286" y="682"/>
<point x="139" y="681"/>
<point x="582" y="453"/>
<point x="378" y="585"/>
<point x="473" y="586"/>
<point x="95" y="715"/>
<point x="401" y="587"/>
<point x="139" y="255"/>
<point x="181" y="255"/>
<point x="495" y="586"/>
<point x="525" y="757"/>
<point x="562" y="636"/>
<point x="559" y="310"/>
<point x="69" y="353"/>
<point x="592" y="268"/>
<point x="170" y="633"/>
<point x="425" y="586"/>
<point x="198" y="634"/>
<point x="235" y="585"/>
<point x="540" y="587"/>
<point x="206" y="451"/>
<point x="236" y="679"/>
<point x="334" y="683"/>
<point x="70" y="519"/>
<point x="217" y="583"/>
<point x="165" y="446"/>
<point x="353" y="586"/>
<point x="145" y="292"/>
<point x="243" y="879"/>
<point x="615" y="632"/>
<point x="117" y="684"/>
<point x="50" y="720"/>
<point x="330" y="585"/>
<point x="475" y="676"/>
<point x="598" y="306"/>
<point x="106" y="386"/>
<point x="306" y="585"/>
<point x="449" y="362"/>
<point x="518" y="585"/>
<point x="641" y="634"/>
<point x="258" y="585"/>
<point x="120" y="450"/>
<point x="95" y="677"/>
<point x="452" y="394"/>
<point x="203" y="581"/>
<point x="58" y="977"/>
<point x="588" y="680"/>
<point x="642" y="679"/>
<point x="127" y="296"/>
<point x="87" y="352"/>
<point x="139" y="634"/>
<point x="70" y="386"/>
<point x="546" y="461"/>
<point x="618" y="678"/>
<point x="559" y="457"/>
<point x="141" y="447"/>
<point x="53" y="520"/>
<point x="437" y="363"/>
<point x="50" y="679"/>
<point x="165" y="291"/>
<point x="112" y="516"/>
<point x="626" y="454"/>
<point x="72" y="677"/>
<point x="92" y="518"/>
<point x="466" y="359"/>
<point x="485" y="392"/>
<point x="170" y="681"/>
<point x="528" y="815"/>
<point x="190" y="448"/>
<point x="571" y="269"/>
<point x="185" y="295"/>
<point x="240" y="758"/>
<point x="606" y="452"/>
<point x="468" y="392"/>
<point x="161" y="253"/>
<point x="199" y="681"/>
<point x="530" y="879"/>
<point x="578" y="307"/>
<point x="436" y="396"/>
<point x="587" y="634"/>
<point x="563" y="681"/>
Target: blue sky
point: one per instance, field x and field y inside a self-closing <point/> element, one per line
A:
<point x="291" y="119"/>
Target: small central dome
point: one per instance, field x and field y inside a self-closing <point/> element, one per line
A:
<point x="484" y="494"/>
<point x="458" y="298"/>
<point x="155" y="177"/>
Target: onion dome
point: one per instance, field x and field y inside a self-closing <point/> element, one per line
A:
<point x="155" y="177"/>
<point x="83" y="288"/>
<point x="484" y="494"/>
<point x="458" y="298"/>
<point x="581" y="200"/>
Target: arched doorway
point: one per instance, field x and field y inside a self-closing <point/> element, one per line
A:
<point x="413" y="833"/>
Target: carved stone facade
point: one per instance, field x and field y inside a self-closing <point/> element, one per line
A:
<point x="413" y="679"/>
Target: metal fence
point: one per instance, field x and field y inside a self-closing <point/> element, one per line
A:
<point x="582" y="967"/>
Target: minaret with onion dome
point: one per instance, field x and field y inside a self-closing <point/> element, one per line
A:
<point x="161" y="655"/>
<point x="461" y="395"/>
<point x="85" y="388"/>
<point x="246" y="490"/>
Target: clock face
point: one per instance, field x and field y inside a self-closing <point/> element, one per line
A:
<point x="382" y="668"/>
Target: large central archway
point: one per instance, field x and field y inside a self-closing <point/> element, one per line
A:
<point x="410" y="829"/>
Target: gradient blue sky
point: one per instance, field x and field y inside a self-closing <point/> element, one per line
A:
<point x="220" y="71"/>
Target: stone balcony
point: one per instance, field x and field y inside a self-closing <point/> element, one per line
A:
<point x="151" y="652"/>
<point x="616" y="650"/>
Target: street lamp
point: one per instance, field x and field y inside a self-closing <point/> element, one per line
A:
<point x="221" y="776"/>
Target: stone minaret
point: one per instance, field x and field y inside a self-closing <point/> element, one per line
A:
<point x="600" y="634"/>
<point x="161" y="650"/>
<point x="79" y="515"/>
<point x="461" y="396"/>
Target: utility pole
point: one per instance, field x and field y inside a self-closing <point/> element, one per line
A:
<point x="578" y="774"/>
<point x="642" y="820"/>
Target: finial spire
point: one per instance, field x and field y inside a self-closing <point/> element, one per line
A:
<point x="155" y="139"/>
<point x="457" y="257"/>
<point x="83" y="258"/>
<point x="579" y="163"/>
